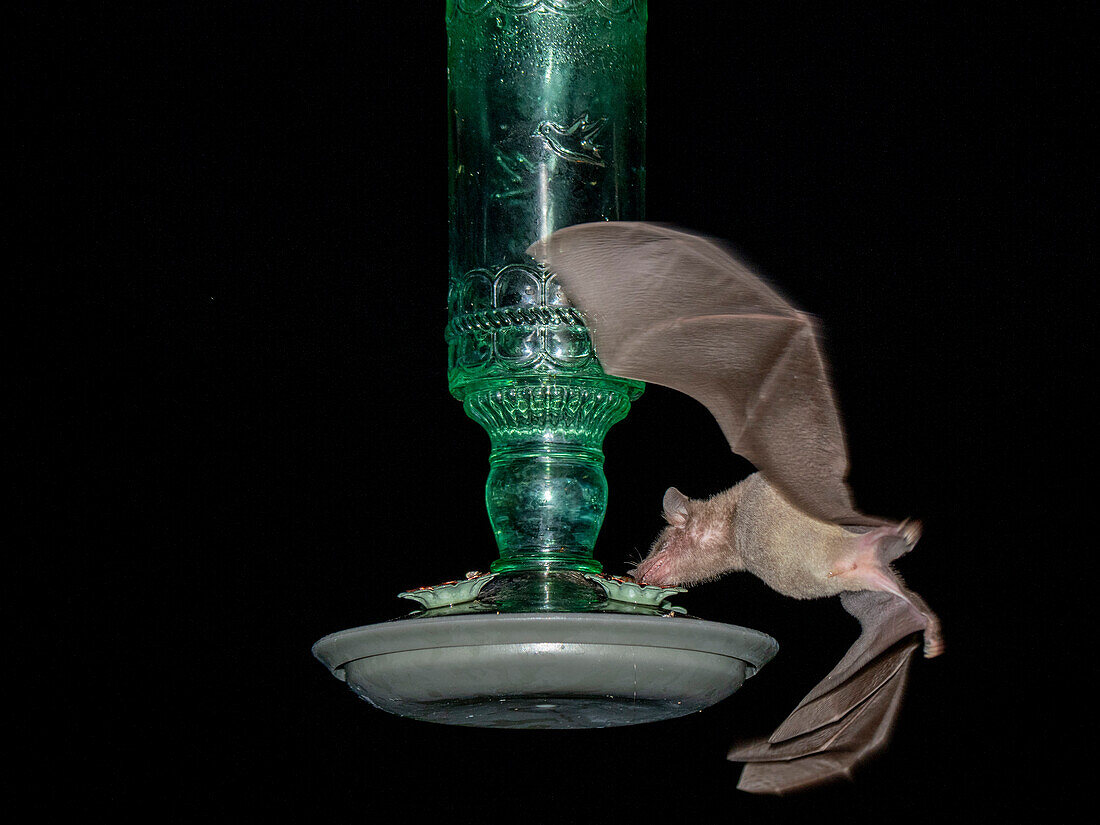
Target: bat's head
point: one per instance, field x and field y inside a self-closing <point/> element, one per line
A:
<point x="694" y="547"/>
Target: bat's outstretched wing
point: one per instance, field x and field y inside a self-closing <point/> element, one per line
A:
<point x="835" y="749"/>
<point x="885" y="620"/>
<point x="676" y="309"/>
<point x="850" y="714"/>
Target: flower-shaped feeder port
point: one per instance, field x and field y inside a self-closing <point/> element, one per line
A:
<point x="450" y="593"/>
<point x="628" y="591"/>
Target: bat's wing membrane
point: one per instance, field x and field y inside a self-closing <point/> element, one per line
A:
<point x="885" y="620"/>
<point x="849" y="715"/>
<point x="829" y="753"/>
<point x="676" y="309"/>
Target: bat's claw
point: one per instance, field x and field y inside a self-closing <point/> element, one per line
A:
<point x="933" y="643"/>
<point x="910" y="530"/>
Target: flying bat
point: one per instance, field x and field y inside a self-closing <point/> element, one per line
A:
<point x="672" y="308"/>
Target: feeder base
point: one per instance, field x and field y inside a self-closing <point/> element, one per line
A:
<point x="545" y="670"/>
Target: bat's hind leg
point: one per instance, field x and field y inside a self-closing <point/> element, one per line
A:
<point x="867" y="567"/>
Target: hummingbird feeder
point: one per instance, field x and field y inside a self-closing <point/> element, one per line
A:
<point x="546" y="110"/>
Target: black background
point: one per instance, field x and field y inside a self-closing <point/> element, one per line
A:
<point x="259" y="447"/>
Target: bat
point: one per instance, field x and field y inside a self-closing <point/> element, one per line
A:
<point x="672" y="308"/>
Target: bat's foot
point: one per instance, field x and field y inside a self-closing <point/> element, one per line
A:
<point x="892" y="541"/>
<point x="910" y="530"/>
<point x="933" y="637"/>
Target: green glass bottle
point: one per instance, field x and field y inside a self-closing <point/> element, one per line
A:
<point x="546" y="114"/>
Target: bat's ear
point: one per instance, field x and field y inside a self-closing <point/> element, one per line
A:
<point x="675" y="505"/>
